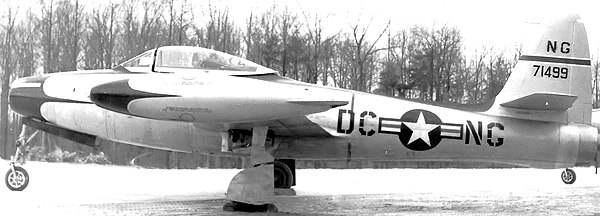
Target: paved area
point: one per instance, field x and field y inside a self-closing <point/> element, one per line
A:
<point x="65" y="189"/>
<point x="569" y="202"/>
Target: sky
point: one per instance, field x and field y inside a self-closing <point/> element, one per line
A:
<point x="499" y="24"/>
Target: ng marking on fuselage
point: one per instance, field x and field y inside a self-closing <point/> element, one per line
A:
<point x="420" y="130"/>
<point x="475" y="132"/>
<point x="490" y="127"/>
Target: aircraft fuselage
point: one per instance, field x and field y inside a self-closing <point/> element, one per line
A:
<point x="383" y="128"/>
<point x="369" y="127"/>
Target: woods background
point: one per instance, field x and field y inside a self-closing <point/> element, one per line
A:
<point x="417" y="62"/>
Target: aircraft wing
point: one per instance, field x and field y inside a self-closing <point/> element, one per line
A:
<point x="299" y="126"/>
<point x="310" y="102"/>
<point x="219" y="103"/>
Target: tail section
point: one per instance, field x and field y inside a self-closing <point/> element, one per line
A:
<point x="551" y="80"/>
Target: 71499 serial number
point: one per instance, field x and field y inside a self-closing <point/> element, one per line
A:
<point x="551" y="71"/>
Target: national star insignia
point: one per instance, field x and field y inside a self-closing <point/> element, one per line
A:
<point x="420" y="130"/>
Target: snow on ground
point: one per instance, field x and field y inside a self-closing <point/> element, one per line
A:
<point x="60" y="184"/>
<point x="446" y="181"/>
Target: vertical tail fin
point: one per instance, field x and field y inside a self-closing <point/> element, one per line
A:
<point x="551" y="80"/>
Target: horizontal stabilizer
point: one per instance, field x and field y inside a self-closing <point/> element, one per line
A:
<point x="330" y="103"/>
<point x="542" y="101"/>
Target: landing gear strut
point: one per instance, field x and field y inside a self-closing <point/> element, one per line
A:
<point x="568" y="176"/>
<point x="252" y="189"/>
<point x="17" y="177"/>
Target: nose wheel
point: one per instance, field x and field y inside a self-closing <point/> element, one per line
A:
<point x="568" y="176"/>
<point x="16" y="178"/>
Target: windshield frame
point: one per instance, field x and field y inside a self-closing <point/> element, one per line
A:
<point x="228" y="64"/>
<point x="142" y="69"/>
<point x="154" y="68"/>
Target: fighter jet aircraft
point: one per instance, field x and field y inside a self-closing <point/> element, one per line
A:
<point x="192" y="99"/>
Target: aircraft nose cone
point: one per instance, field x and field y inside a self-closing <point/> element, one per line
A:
<point x="27" y="95"/>
<point x="117" y="95"/>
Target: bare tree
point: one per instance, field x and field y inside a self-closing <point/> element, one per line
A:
<point x="68" y="30"/>
<point x="498" y="70"/>
<point x="437" y="51"/>
<point x="297" y="55"/>
<point x="477" y="67"/>
<point x="140" y="33"/>
<point x="319" y="47"/>
<point x="363" y="50"/>
<point x="288" y="27"/>
<point x="271" y="47"/>
<point x="248" y="36"/>
<point x="342" y="62"/>
<point x="178" y="22"/>
<point x="8" y="64"/>
<point x="219" y="33"/>
<point x="595" y="73"/>
<point x="461" y="82"/>
<point x="395" y="76"/>
<point x="100" y="41"/>
<point x="28" y="43"/>
<point x="47" y="23"/>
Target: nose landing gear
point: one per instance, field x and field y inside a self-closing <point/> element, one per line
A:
<point x="568" y="176"/>
<point x="17" y="177"/>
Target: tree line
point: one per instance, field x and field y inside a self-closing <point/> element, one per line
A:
<point x="418" y="62"/>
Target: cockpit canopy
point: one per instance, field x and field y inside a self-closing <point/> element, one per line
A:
<point x="173" y="59"/>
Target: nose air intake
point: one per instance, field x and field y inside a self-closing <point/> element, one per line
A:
<point x="26" y="96"/>
<point x="117" y="95"/>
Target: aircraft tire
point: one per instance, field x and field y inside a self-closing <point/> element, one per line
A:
<point x="568" y="176"/>
<point x="234" y="206"/>
<point x="283" y="175"/>
<point x="18" y="180"/>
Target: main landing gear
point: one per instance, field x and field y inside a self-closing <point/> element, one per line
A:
<point x="284" y="174"/>
<point x="253" y="189"/>
<point x="568" y="176"/>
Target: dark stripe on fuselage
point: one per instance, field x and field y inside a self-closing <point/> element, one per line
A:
<point x="28" y="101"/>
<point x="584" y="62"/>
<point x="117" y="95"/>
